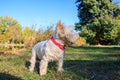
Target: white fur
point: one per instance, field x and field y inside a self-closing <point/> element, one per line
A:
<point x="46" y="51"/>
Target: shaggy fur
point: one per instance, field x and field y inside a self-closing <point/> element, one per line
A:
<point x="47" y="51"/>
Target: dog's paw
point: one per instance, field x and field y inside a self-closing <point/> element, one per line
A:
<point x="31" y="70"/>
<point x="60" y="70"/>
<point x="42" y="73"/>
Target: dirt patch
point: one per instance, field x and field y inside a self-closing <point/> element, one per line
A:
<point x="5" y="53"/>
<point x="1" y="53"/>
<point x="13" y="52"/>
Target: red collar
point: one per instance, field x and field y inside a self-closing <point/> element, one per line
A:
<point x="62" y="47"/>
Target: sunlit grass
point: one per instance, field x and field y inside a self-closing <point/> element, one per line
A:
<point x="81" y="63"/>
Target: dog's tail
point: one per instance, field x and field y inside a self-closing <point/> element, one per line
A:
<point x="33" y="56"/>
<point x="32" y="60"/>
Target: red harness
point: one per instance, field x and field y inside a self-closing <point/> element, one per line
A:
<point x="62" y="47"/>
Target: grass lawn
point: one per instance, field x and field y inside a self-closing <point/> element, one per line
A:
<point x="81" y="63"/>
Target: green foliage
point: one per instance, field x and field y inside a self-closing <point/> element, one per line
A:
<point x="118" y="37"/>
<point x="97" y="21"/>
<point x="8" y="24"/>
<point x="118" y="29"/>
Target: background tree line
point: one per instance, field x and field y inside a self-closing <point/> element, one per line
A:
<point x="11" y="31"/>
<point x="99" y="21"/>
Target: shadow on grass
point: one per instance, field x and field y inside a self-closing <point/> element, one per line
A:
<point x="93" y="70"/>
<point x="97" y="57"/>
<point x="36" y="69"/>
<point x="88" y="69"/>
<point x="5" y="76"/>
<point x="51" y="66"/>
<point x="99" y="67"/>
<point x="96" y="66"/>
<point x="98" y="49"/>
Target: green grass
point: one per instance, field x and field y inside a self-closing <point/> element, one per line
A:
<point x="81" y="63"/>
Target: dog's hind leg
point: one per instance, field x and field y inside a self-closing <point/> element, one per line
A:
<point x="32" y="60"/>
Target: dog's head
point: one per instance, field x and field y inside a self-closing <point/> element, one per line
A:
<point x="66" y="34"/>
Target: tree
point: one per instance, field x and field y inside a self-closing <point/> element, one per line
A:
<point x="14" y="33"/>
<point x="97" y="21"/>
<point x="5" y="23"/>
<point x="118" y="29"/>
<point x="29" y="37"/>
<point x="118" y="38"/>
<point x="45" y="34"/>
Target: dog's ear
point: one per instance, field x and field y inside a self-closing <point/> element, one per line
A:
<point x="60" y="27"/>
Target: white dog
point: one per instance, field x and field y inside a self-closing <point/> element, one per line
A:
<point x="53" y="49"/>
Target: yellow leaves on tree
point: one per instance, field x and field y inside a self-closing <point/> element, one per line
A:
<point x="80" y="41"/>
<point x="14" y="33"/>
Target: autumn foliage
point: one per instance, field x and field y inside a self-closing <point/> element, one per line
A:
<point x="80" y="41"/>
<point x="11" y="32"/>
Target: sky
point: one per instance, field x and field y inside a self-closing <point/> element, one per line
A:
<point x="40" y="12"/>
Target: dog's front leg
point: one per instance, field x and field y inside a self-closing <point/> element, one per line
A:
<point x="60" y="65"/>
<point x="43" y="67"/>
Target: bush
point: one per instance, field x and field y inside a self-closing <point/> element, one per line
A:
<point x="80" y="41"/>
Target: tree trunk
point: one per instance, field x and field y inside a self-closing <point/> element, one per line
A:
<point x="13" y="44"/>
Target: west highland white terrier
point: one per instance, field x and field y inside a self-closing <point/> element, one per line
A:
<point x="53" y="49"/>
